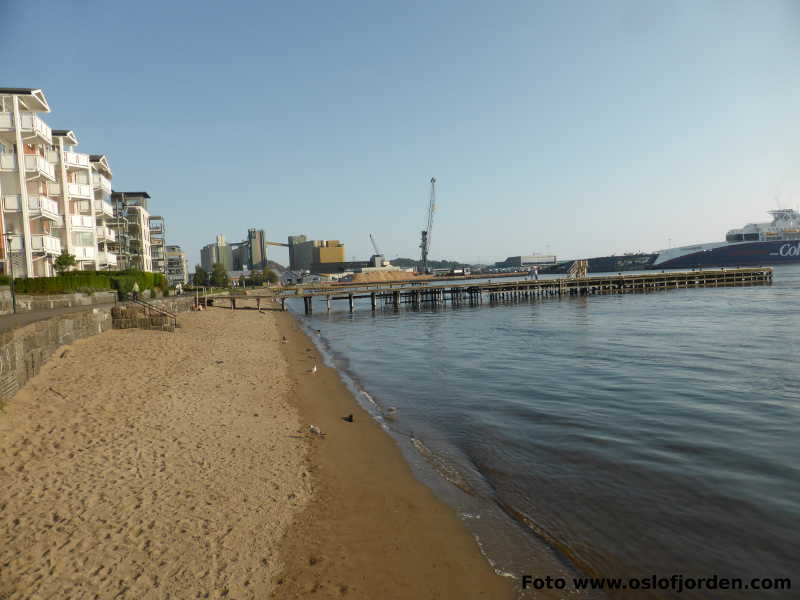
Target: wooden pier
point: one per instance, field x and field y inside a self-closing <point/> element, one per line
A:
<point x="478" y="292"/>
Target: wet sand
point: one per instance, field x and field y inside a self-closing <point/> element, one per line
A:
<point x="371" y="530"/>
<point x="143" y="464"/>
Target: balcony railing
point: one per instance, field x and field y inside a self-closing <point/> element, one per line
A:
<point x="100" y="182"/>
<point x="30" y="124"/>
<point x="37" y="206"/>
<point x="84" y="252"/>
<point x="81" y="222"/>
<point x="76" y="159"/>
<point x="45" y="243"/>
<point x="106" y="233"/>
<point x="33" y="163"/>
<point x="105" y="208"/>
<point x="107" y="258"/>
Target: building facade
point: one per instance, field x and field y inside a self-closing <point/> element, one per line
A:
<point x="218" y="252"/>
<point x="313" y="255"/>
<point x="158" y="243"/>
<point x="131" y="224"/>
<point x="257" y="248"/>
<point x="54" y="199"/>
<point x="177" y="266"/>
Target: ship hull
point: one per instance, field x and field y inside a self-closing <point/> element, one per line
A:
<point x="731" y="255"/>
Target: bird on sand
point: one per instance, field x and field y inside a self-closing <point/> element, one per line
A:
<point x="284" y="339"/>
<point x="315" y="430"/>
<point x="348" y="418"/>
<point x="314" y="369"/>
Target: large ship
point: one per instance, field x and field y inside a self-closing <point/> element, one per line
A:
<point x="754" y="244"/>
<point x="771" y="243"/>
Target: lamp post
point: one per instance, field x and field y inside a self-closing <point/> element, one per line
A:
<point x="11" y="272"/>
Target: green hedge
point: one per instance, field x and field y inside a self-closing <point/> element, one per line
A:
<point x="74" y="281"/>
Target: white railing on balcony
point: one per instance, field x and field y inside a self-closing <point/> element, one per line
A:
<point x="51" y="156"/>
<point x="76" y="159"/>
<point x="81" y="222"/>
<point x="44" y="206"/>
<point x="30" y="123"/>
<point x="106" y="208"/>
<point x="84" y="252"/>
<point x="45" y="243"/>
<point x="37" y="205"/>
<point x="80" y="190"/>
<point x="107" y="258"/>
<point x="101" y="182"/>
<point x="8" y="161"/>
<point x="106" y="233"/>
<point x="53" y="189"/>
<point x="34" y="162"/>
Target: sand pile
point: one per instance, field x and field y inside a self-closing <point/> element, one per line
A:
<point x="387" y="276"/>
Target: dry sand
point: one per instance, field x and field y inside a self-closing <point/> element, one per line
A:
<point x="143" y="464"/>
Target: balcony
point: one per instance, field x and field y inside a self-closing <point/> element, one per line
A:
<point x="76" y="160"/>
<point x="100" y="182"/>
<point x="105" y="233"/>
<point x="105" y="208"/>
<point x="38" y="206"/>
<point x="34" y="164"/>
<point x="107" y="258"/>
<point x="84" y="252"/>
<point x="31" y="125"/>
<point x="76" y="190"/>
<point x="81" y="222"/>
<point x="45" y="243"/>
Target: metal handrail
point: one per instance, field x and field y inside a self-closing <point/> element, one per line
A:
<point x="155" y="308"/>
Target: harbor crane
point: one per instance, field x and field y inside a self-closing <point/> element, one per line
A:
<point x="425" y="244"/>
<point x="374" y="245"/>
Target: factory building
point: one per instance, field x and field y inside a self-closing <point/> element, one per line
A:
<point x="526" y="261"/>
<point x="218" y="252"/>
<point x="314" y="255"/>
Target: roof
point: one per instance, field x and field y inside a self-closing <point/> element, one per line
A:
<point x="35" y="102"/>
<point x="66" y="133"/>
<point x="140" y="194"/>
<point x="102" y="162"/>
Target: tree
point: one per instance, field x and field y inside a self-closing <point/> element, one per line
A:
<point x="219" y="276"/>
<point x="64" y="262"/>
<point x="270" y="275"/>
<point x="200" y="276"/>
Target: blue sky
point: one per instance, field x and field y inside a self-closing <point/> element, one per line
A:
<point x="582" y="128"/>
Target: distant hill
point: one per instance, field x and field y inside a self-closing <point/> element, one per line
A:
<point x="432" y="264"/>
<point x="277" y="267"/>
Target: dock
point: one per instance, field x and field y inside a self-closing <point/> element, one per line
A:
<point x="477" y="292"/>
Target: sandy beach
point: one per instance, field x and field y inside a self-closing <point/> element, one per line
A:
<point x="142" y="464"/>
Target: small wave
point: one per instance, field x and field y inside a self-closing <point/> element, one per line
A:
<point x="444" y="469"/>
<point x="561" y="548"/>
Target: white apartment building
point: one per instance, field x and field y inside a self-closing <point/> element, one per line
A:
<point x="103" y="213"/>
<point x="54" y="199"/>
<point x="132" y="228"/>
<point x="177" y="266"/>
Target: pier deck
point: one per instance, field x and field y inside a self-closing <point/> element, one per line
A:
<point x="477" y="292"/>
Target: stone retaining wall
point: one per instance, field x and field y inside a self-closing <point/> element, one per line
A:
<point x="28" y="302"/>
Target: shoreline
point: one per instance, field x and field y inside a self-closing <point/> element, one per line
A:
<point x="370" y="529"/>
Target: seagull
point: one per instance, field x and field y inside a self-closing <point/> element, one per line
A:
<point x="314" y="430"/>
<point x="284" y="339"/>
<point x="314" y="369"/>
<point x="348" y="418"/>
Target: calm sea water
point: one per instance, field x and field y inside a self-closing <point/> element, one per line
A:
<point x="613" y="435"/>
